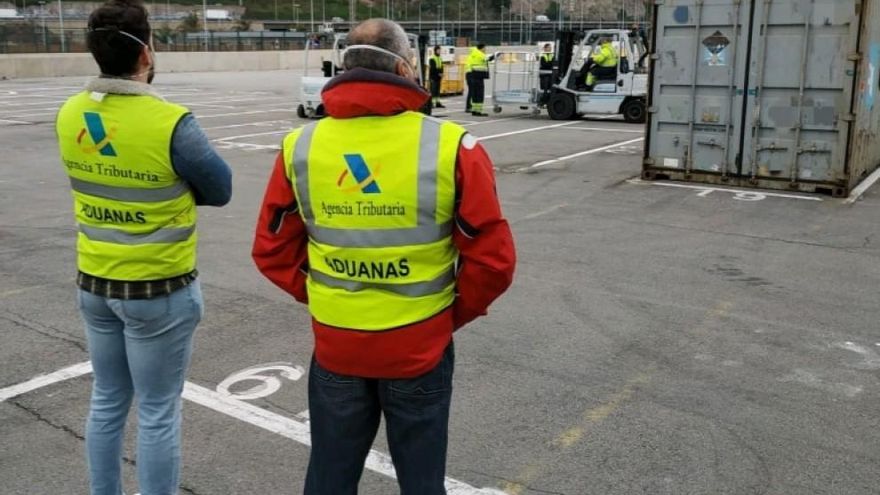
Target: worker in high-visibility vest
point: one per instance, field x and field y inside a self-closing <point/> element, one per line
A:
<point x="602" y="63"/>
<point x="476" y="72"/>
<point x="435" y="76"/>
<point x="386" y="222"/>
<point x="138" y="166"/>
<point x="546" y="65"/>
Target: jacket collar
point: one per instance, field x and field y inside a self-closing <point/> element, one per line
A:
<point x="117" y="86"/>
<point x="362" y="92"/>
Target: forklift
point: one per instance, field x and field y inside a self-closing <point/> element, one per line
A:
<point x="625" y="94"/>
<point x="311" y="103"/>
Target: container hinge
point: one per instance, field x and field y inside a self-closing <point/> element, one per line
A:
<point x="854" y="57"/>
<point x="648" y="161"/>
<point x="653" y="109"/>
<point x="710" y="143"/>
<point x="848" y="117"/>
<point x="812" y="149"/>
<point x="772" y="147"/>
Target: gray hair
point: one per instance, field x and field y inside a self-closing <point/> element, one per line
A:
<point x="381" y="33"/>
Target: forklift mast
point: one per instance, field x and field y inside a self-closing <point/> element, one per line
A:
<point x="566" y="40"/>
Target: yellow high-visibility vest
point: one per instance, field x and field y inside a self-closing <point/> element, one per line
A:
<point x="477" y="61"/>
<point x="438" y="63"/>
<point x="606" y="57"/>
<point x="379" y="216"/>
<point x="136" y="217"/>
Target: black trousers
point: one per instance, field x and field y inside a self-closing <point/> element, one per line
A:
<point x="546" y="81"/>
<point x="345" y="411"/>
<point x="435" y="87"/>
<point x="604" y="72"/>
<point x="476" y="84"/>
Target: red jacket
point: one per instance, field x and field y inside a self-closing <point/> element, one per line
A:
<point x="483" y="239"/>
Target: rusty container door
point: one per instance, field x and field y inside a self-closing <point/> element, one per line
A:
<point x="698" y="71"/>
<point x="802" y="73"/>
<point x="865" y="146"/>
<point x="780" y="94"/>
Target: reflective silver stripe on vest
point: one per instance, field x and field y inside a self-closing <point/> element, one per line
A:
<point x="429" y="143"/>
<point x="301" y="168"/>
<point x="120" y="237"/>
<point x="133" y="194"/>
<point x="416" y="289"/>
<point x="423" y="234"/>
<point x="427" y="230"/>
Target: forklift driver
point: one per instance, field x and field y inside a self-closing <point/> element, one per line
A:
<point x="602" y="64"/>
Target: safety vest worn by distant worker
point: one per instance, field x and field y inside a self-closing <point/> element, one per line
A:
<point x="136" y="217"/>
<point x="477" y="61"/>
<point x="438" y="64"/>
<point x="379" y="215"/>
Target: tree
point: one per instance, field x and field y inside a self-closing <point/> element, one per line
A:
<point x="163" y="34"/>
<point x="189" y="24"/>
<point x="552" y="11"/>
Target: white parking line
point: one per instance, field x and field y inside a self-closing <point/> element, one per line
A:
<point x="14" y="121"/>
<point x="492" y="121"/>
<point x="580" y="154"/>
<point x="46" y="380"/>
<point x="607" y="129"/>
<point x="741" y="194"/>
<point x="247" y="124"/>
<point x="29" y="104"/>
<point x="6" y="98"/>
<point x="292" y="429"/>
<point x="35" y="112"/>
<point x="862" y="188"/>
<point x="233" y="100"/>
<point x="255" y="134"/>
<point x="232" y="145"/>
<point x="234" y="114"/>
<point x="10" y="89"/>
<point x="523" y="131"/>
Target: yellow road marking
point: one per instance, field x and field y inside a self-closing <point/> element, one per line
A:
<point x="576" y="433"/>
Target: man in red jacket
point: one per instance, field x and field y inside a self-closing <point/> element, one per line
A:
<point x="387" y="224"/>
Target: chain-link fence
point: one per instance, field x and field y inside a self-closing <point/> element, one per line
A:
<point x="33" y="38"/>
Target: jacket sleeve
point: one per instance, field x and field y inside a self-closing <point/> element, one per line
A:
<point x="195" y="161"/>
<point x="280" y="242"/>
<point x="486" y="252"/>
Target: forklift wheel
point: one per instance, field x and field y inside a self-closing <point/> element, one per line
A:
<point x="496" y="109"/>
<point x="634" y="111"/>
<point x="301" y="111"/>
<point x="561" y="106"/>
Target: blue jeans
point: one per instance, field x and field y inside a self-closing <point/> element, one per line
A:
<point x="344" y="414"/>
<point x="139" y="348"/>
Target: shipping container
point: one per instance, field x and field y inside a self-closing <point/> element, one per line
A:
<point x="780" y="94"/>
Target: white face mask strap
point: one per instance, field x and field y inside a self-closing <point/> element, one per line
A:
<point x="375" y="49"/>
<point x="124" y="33"/>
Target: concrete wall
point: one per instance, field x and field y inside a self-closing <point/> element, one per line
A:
<point x="81" y="64"/>
<point x="16" y="66"/>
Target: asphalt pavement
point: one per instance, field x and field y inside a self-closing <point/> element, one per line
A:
<point x="660" y="338"/>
